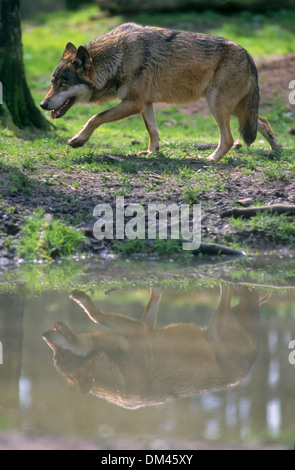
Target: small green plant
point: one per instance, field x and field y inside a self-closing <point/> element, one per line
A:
<point x="148" y="247"/>
<point x="275" y="173"/>
<point x="185" y="173"/>
<point x="279" y="228"/>
<point x="191" y="195"/>
<point x="20" y="183"/>
<point x="128" y="247"/>
<point x="6" y="208"/>
<point x="45" y="237"/>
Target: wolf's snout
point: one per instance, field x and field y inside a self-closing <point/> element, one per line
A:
<point x="44" y="105"/>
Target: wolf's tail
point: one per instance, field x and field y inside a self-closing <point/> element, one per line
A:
<point x="248" y="108"/>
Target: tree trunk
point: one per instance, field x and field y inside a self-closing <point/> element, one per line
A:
<point x="248" y="212"/>
<point x="11" y="337"/>
<point x="16" y="94"/>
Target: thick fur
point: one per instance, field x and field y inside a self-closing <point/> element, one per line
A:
<point x="136" y="364"/>
<point x="145" y="65"/>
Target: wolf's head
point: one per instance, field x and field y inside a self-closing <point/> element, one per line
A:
<point x="70" y="81"/>
<point x="72" y="354"/>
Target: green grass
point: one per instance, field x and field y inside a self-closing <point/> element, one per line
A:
<point x="45" y="237"/>
<point x="149" y="247"/>
<point x="274" y="227"/>
<point x="191" y="194"/>
<point x="274" y="173"/>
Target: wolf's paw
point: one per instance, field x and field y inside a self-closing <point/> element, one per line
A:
<point x="212" y="158"/>
<point x="77" y="141"/>
<point x="78" y="295"/>
<point x="145" y="152"/>
<point x="275" y="152"/>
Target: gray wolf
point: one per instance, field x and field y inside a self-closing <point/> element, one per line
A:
<point x="135" y="364"/>
<point x="145" y="65"/>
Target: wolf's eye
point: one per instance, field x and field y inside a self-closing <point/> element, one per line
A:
<point x="63" y="84"/>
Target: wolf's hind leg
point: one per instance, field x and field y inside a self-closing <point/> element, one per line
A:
<point x="267" y="132"/>
<point x="221" y="107"/>
<point x="226" y="139"/>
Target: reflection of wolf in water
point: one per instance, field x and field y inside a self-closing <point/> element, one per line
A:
<point x="137" y="364"/>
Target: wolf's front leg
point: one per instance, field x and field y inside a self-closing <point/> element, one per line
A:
<point x="121" y="111"/>
<point x="81" y="138"/>
<point x="120" y="323"/>
<point x="151" y="124"/>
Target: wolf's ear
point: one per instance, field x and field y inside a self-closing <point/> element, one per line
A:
<point x="82" y="58"/>
<point x="70" y="51"/>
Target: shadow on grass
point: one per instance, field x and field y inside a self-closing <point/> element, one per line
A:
<point x="165" y="163"/>
<point x="133" y="163"/>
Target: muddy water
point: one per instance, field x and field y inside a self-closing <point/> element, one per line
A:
<point x="224" y="372"/>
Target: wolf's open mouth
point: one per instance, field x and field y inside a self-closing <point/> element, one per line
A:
<point x="64" y="330"/>
<point x="61" y="111"/>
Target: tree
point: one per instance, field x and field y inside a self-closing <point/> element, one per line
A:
<point x="11" y="334"/>
<point x="17" y="99"/>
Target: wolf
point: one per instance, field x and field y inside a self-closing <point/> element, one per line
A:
<point x="141" y="66"/>
<point x="135" y="364"/>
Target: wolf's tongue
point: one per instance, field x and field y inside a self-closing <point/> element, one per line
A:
<point x="53" y="114"/>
